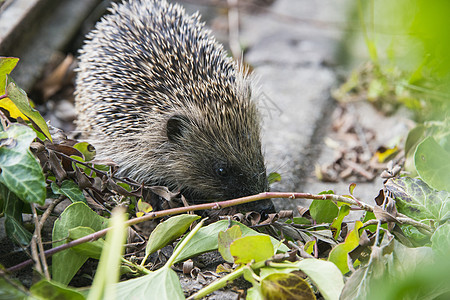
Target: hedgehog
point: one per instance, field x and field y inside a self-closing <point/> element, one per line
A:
<point x="157" y="94"/>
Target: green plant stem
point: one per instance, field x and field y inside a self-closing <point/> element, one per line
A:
<point x="183" y="244"/>
<point x="138" y="267"/>
<point x="222" y="282"/>
<point x="280" y="265"/>
<point x="423" y="228"/>
<point x="217" y="205"/>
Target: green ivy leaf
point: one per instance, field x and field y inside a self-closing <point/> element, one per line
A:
<point x="20" y="99"/>
<point x="91" y="249"/>
<point x="13" y="208"/>
<point x="9" y="291"/>
<point x="168" y="231"/>
<point x="51" y="290"/>
<point x="161" y="284"/>
<point x="69" y="189"/>
<point x="66" y="263"/>
<point x="16" y="231"/>
<point x="441" y="241"/>
<point x="21" y="172"/>
<point x="414" y="236"/>
<point x="323" y="211"/>
<point x="433" y="164"/>
<point x="416" y="200"/>
<point x="325" y="275"/>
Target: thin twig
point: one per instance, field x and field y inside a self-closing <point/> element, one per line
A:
<point x="33" y="244"/>
<point x="37" y="235"/>
<point x="49" y="210"/>
<point x="216" y="205"/>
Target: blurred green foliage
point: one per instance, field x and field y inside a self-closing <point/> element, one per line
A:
<point x="408" y="43"/>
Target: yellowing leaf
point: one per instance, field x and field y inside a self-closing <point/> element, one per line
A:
<point x="225" y="239"/>
<point x="384" y="154"/>
<point x="286" y="287"/>
<point x="86" y="149"/>
<point x="14" y="112"/>
<point x="206" y="239"/>
<point x="223" y="269"/>
<point x="246" y="249"/>
<point x="309" y="246"/>
<point x="144" y="206"/>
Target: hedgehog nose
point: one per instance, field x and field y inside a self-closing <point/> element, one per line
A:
<point x="265" y="207"/>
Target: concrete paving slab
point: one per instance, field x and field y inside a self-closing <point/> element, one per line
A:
<point x="291" y="48"/>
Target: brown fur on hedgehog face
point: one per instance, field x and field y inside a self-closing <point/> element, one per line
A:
<point x="211" y="160"/>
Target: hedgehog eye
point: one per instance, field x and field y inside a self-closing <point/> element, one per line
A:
<point x="221" y="171"/>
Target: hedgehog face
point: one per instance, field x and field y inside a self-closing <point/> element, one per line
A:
<point x="220" y="167"/>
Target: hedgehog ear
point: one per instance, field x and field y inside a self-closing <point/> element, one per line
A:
<point x="177" y="127"/>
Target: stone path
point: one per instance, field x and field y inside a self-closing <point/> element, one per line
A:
<point x="293" y="47"/>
